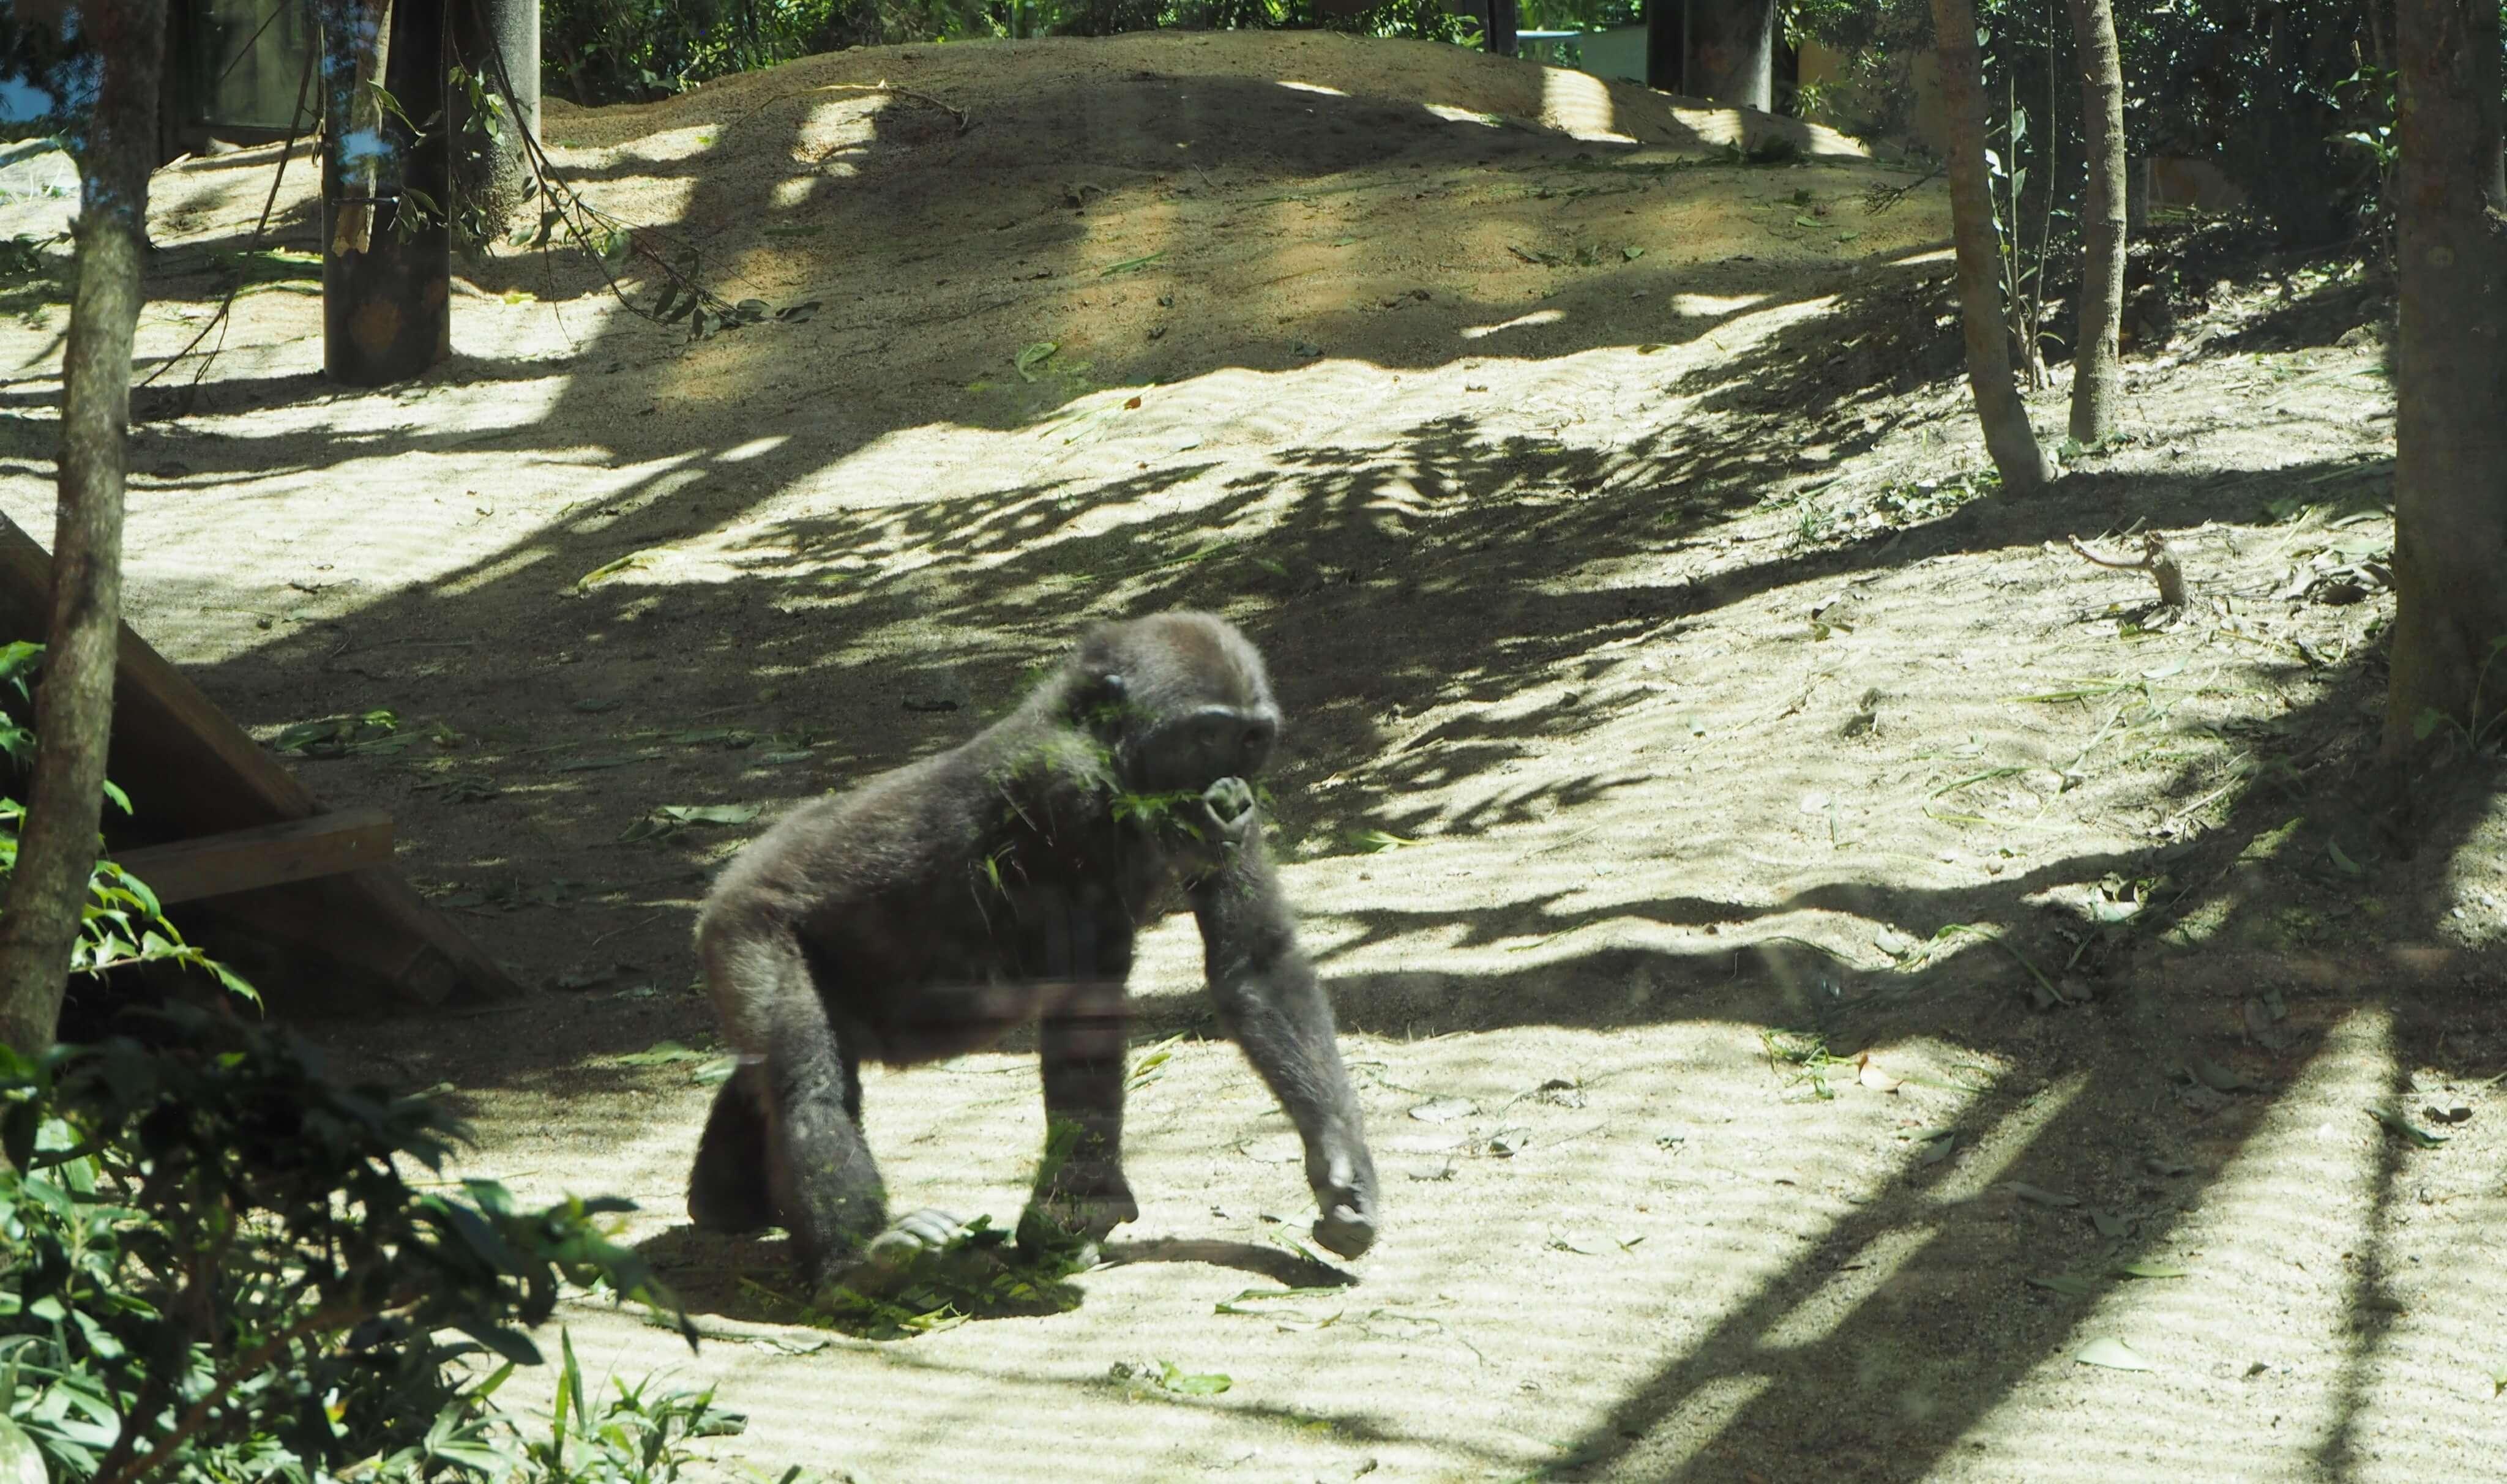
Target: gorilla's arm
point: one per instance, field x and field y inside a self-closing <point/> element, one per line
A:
<point x="1269" y="1001"/>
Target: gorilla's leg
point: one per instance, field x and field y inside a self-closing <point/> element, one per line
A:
<point x="728" y="1189"/>
<point x="1080" y="1193"/>
<point x="821" y="1175"/>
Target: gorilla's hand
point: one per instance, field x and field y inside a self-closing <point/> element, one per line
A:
<point x="891" y="1259"/>
<point x="1227" y="809"/>
<point x="1343" y="1179"/>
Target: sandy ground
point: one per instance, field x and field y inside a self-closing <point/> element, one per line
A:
<point x="1664" y="704"/>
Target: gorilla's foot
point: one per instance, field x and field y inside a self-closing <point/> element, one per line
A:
<point x="727" y="1202"/>
<point x="1066" y="1223"/>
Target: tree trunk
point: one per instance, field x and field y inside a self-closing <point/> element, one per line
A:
<point x="1501" y="26"/>
<point x="2098" y="381"/>
<point x="74" y="705"/>
<point x="1998" y="407"/>
<point x="499" y="43"/>
<point x="1666" y="25"/>
<point x="386" y="245"/>
<point x="1730" y="56"/>
<point x="2450" y="373"/>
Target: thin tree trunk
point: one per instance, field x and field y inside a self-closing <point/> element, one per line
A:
<point x="2097" y="379"/>
<point x="74" y="706"/>
<point x="2450" y="370"/>
<point x="498" y="41"/>
<point x="1998" y="406"/>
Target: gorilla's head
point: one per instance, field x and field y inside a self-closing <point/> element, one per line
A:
<point x="1182" y="699"/>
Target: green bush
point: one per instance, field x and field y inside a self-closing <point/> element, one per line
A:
<point x="625" y="51"/>
<point x="2291" y="98"/>
<point x="634" y="51"/>
<point x="213" y="1265"/>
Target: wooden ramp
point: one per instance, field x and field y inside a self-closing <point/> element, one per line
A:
<point x="308" y="895"/>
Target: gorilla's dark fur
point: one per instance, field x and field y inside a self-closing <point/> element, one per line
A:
<point x="999" y="884"/>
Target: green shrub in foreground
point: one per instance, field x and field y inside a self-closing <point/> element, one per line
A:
<point x="213" y="1266"/>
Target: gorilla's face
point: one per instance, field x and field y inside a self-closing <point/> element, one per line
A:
<point x="1187" y="753"/>
<point x="1185" y="702"/>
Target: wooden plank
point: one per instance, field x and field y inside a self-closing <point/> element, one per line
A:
<point x="326" y="944"/>
<point x="184" y="762"/>
<point x="192" y="772"/>
<point x="272" y="854"/>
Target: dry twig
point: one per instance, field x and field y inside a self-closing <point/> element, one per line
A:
<point x="2155" y="560"/>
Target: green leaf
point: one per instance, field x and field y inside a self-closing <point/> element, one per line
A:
<point x="2348" y="866"/>
<point x="1174" y="1379"/>
<point x="660" y="1054"/>
<point x="2398" y="1124"/>
<point x="631" y="561"/>
<point x="2114" y="1355"/>
<point x="2069" y="1284"/>
<point x="19" y="658"/>
<point x="1034" y="355"/>
<point x="1378" y="841"/>
<point x="2220" y="1078"/>
<point x="573" y="1373"/>
<point x="2148" y="1269"/>
<point x="590" y="764"/>
<point x="20" y="1461"/>
<point x="1632" y="253"/>
<point x="481" y="1237"/>
<point x="1272" y="1296"/>
<point x="1129" y="264"/>
<point x="711" y="814"/>
<point x="514" y="1346"/>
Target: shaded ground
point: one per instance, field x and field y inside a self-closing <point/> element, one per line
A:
<point x="1665" y="705"/>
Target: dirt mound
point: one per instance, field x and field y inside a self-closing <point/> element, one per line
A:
<point x="1023" y="104"/>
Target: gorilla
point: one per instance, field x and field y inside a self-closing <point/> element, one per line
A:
<point x="1001" y="884"/>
